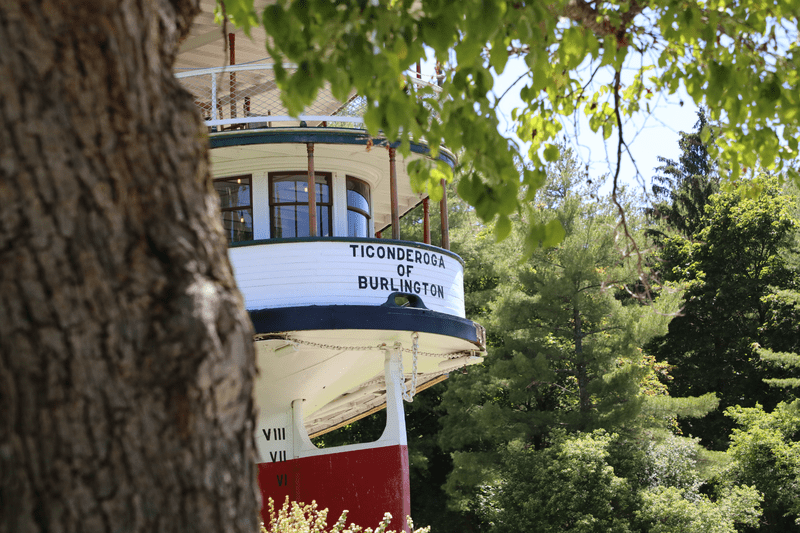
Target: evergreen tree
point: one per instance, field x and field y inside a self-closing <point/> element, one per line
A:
<point x="734" y="266"/>
<point x="682" y="188"/>
<point x="782" y="324"/>
<point x="566" y="337"/>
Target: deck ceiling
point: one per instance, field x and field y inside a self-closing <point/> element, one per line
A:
<point x="205" y="46"/>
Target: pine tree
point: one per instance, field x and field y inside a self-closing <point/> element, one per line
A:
<point x="566" y="337"/>
<point x="735" y="266"/>
<point x="682" y="188"/>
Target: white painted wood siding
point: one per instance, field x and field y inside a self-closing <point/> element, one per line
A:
<point x="294" y="274"/>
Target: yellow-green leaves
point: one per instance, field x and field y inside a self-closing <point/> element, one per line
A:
<point x="427" y="176"/>
<point x="740" y="59"/>
<point x="240" y="13"/>
<point x="545" y="235"/>
<point x="551" y="153"/>
<point x="502" y="228"/>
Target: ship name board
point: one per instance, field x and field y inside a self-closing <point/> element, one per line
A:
<point x="336" y="272"/>
<point x="407" y="258"/>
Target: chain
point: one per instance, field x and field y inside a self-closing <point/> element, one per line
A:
<point x="335" y="347"/>
<point x="408" y="395"/>
<point x="414" y="350"/>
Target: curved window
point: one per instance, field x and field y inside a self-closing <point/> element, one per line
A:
<point x="289" y="204"/>
<point x="236" y="204"/>
<point x="358" y="212"/>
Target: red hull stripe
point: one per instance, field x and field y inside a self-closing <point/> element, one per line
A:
<point x="367" y="483"/>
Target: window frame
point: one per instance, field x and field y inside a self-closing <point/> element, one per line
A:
<point x="271" y="176"/>
<point x="368" y="215"/>
<point x="249" y="206"/>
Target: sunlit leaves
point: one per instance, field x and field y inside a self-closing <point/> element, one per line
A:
<point x="740" y="59"/>
<point x="240" y="14"/>
<point x="545" y="235"/>
<point x="551" y="153"/>
<point x="502" y="227"/>
<point x="427" y="176"/>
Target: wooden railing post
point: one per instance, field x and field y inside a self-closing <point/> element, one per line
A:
<point x="444" y="218"/>
<point x="395" y="201"/>
<point x="426" y="220"/>
<point x="232" y="44"/>
<point x="312" y="193"/>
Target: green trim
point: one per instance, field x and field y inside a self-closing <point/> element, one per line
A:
<point x="351" y="240"/>
<point x="316" y="135"/>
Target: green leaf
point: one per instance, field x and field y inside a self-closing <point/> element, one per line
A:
<point x="534" y="179"/>
<point x="705" y="134"/>
<point x="498" y="57"/>
<point x="241" y="14"/>
<point x="502" y="228"/>
<point x="551" y="152"/>
<point x="554" y="233"/>
<point x="771" y="90"/>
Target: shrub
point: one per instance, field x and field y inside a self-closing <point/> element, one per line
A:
<point x="297" y="517"/>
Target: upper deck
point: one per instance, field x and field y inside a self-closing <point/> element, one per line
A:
<point x="290" y="248"/>
<point x="311" y="206"/>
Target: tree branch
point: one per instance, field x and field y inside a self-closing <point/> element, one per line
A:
<point x="623" y="220"/>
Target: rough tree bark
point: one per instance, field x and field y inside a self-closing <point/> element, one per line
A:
<point x="126" y="361"/>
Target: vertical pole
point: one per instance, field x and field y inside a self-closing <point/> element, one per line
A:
<point x="214" y="99"/>
<point x="395" y="430"/>
<point x="232" y="48"/>
<point x="426" y="220"/>
<point x="312" y="193"/>
<point x="395" y="202"/>
<point x="394" y="433"/>
<point x="445" y="221"/>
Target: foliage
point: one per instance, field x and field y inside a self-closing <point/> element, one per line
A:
<point x="738" y="58"/>
<point x="782" y="322"/>
<point x="566" y="329"/>
<point x="671" y="461"/>
<point x="667" y="510"/>
<point x="578" y="483"/>
<point x="734" y="268"/>
<point x="565" y="351"/>
<point x="567" y="486"/>
<point x="307" y="518"/>
<point x="683" y="188"/>
<point x="765" y="450"/>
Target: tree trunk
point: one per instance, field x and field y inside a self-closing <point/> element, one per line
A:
<point x="126" y="359"/>
<point x="580" y="367"/>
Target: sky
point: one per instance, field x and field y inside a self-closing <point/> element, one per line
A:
<point x="650" y="137"/>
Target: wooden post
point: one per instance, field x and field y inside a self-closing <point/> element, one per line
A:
<point x="232" y="45"/>
<point x="445" y="221"/>
<point x="426" y="221"/>
<point x="312" y="193"/>
<point x="395" y="201"/>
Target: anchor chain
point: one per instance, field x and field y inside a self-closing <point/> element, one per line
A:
<point x="408" y="395"/>
<point x="376" y="347"/>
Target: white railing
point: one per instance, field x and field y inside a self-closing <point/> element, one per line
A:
<point x="247" y="96"/>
